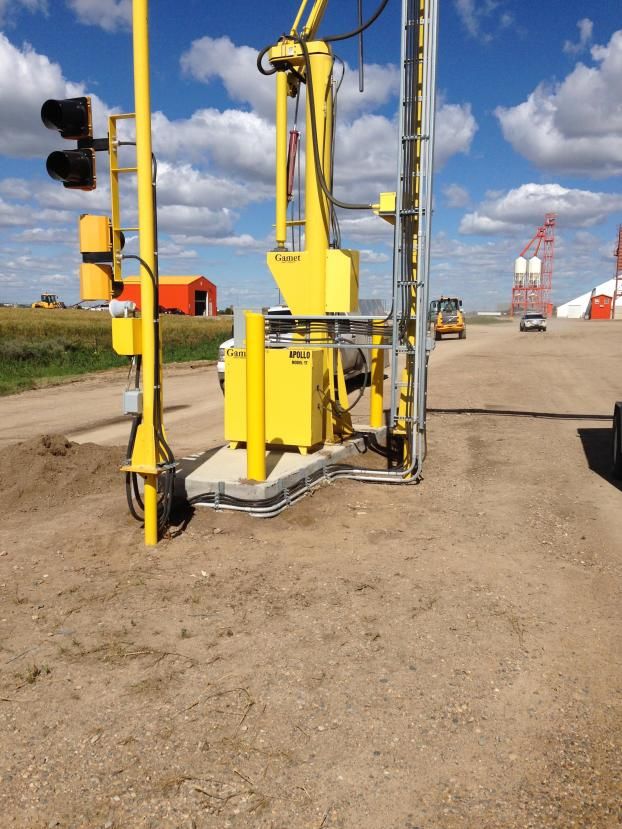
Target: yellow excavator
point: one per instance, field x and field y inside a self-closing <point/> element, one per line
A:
<point x="48" y="301"/>
<point x="447" y="317"/>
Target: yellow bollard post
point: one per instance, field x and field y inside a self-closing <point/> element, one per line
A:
<point x="146" y="222"/>
<point x="376" y="412"/>
<point x="255" y="397"/>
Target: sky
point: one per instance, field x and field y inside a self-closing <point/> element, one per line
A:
<point x="529" y="121"/>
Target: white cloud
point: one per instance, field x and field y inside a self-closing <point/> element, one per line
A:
<point x="480" y="16"/>
<point x="365" y="229"/>
<point x="9" y="9"/>
<point x="366" y="150"/>
<point x="209" y="58"/>
<point x="25" y="215"/>
<point x="179" y="218"/>
<point x="236" y="66"/>
<point x="42" y="235"/>
<point x="373" y="257"/>
<point x="574" y="126"/>
<point x="184" y="184"/>
<point x="27" y="79"/>
<point x="243" y="243"/>
<point x="456" y="196"/>
<point x="586" y="29"/>
<point x="455" y="129"/>
<point x="110" y="15"/>
<point x="15" y="188"/>
<point x="382" y="83"/>
<point x="240" y="143"/>
<point x="526" y="206"/>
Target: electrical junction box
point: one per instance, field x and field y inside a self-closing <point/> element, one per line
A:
<point x="293" y="402"/>
<point x="386" y="207"/>
<point x="127" y="335"/>
<point x="132" y="402"/>
<point x="342" y="281"/>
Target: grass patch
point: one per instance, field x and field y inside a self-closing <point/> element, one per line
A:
<point x="39" y="346"/>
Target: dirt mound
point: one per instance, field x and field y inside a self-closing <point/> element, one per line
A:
<point x="50" y="470"/>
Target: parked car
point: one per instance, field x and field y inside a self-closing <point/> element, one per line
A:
<point x="354" y="360"/>
<point x="533" y="322"/>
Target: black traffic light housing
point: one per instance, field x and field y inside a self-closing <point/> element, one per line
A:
<point x="75" y="168"/>
<point x="72" y="118"/>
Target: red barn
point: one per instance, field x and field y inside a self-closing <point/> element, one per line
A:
<point x="193" y="295"/>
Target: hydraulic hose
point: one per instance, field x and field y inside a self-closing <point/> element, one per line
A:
<point x="260" y="66"/>
<point x="314" y="141"/>
<point x="360" y="29"/>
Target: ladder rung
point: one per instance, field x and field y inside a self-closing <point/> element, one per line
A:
<point x="124" y="170"/>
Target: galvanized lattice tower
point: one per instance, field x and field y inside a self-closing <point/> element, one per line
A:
<point x="413" y="215"/>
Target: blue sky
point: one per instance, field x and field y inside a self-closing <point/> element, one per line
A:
<point x="529" y="121"/>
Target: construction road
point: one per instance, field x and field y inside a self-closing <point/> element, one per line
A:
<point x="89" y="409"/>
<point x="439" y="656"/>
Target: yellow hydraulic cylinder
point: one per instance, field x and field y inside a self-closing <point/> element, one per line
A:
<point x="281" y="159"/>
<point x="377" y="382"/>
<point x="255" y="397"/>
<point x="148" y="453"/>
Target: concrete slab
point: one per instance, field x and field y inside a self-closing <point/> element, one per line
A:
<point x="223" y="470"/>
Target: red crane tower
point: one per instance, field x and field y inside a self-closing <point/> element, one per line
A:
<point x="617" y="290"/>
<point x="533" y="277"/>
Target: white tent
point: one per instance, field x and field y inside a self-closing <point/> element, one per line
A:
<point x="577" y="308"/>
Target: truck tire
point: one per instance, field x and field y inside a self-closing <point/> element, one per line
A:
<point x="616" y="442"/>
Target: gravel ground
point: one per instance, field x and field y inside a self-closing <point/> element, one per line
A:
<point x="427" y="657"/>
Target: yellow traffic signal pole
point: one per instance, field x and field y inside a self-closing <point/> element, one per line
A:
<point x="147" y="447"/>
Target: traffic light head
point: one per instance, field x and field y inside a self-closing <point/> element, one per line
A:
<point x="75" y="168"/>
<point x="71" y="117"/>
<point x="96" y="245"/>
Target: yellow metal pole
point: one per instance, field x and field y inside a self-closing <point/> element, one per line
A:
<point x="255" y="397"/>
<point x="281" y="159"/>
<point x="376" y="412"/>
<point x="316" y="203"/>
<point x="146" y="222"/>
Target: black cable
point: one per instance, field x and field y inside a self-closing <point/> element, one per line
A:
<point x="163" y="447"/>
<point x="359" y="29"/>
<point x="314" y="141"/>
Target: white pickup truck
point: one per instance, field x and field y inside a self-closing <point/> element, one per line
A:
<point x="355" y="360"/>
